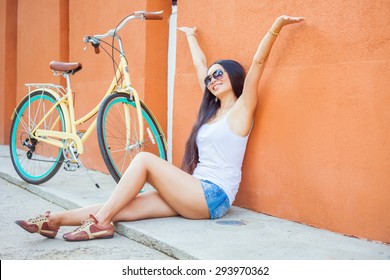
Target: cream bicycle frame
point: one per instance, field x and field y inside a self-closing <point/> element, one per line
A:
<point x="66" y="102"/>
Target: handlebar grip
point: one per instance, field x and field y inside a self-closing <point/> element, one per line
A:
<point x="95" y="44"/>
<point x="154" y="15"/>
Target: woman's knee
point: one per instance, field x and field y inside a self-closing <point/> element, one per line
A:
<point x="144" y="157"/>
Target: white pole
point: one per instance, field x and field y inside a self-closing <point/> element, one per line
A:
<point x="171" y="76"/>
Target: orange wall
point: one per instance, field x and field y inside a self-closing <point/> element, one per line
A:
<point x="8" y="23"/>
<point x="37" y="42"/>
<point x="319" y="150"/>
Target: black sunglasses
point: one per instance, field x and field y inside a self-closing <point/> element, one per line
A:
<point x="218" y="75"/>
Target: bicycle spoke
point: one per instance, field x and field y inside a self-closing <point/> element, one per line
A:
<point x="23" y="122"/>
<point x="36" y="113"/>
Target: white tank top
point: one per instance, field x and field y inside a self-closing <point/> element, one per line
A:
<point x="221" y="152"/>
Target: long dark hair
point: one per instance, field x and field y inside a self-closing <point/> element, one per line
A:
<point x="208" y="109"/>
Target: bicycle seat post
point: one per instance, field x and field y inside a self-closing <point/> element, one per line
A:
<point x="67" y="78"/>
<point x="66" y="75"/>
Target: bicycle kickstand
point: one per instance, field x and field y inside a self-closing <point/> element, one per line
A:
<point x="74" y="162"/>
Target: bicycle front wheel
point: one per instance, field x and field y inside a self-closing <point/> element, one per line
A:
<point x="36" y="161"/>
<point x="119" y="140"/>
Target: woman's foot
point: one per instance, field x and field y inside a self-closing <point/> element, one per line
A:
<point x="39" y="225"/>
<point x="89" y="230"/>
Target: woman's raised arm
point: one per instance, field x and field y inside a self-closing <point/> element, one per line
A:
<point x="198" y="57"/>
<point x="246" y="104"/>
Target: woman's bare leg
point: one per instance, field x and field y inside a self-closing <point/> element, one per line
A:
<point x="178" y="193"/>
<point x="144" y="206"/>
<point x="73" y="217"/>
<point x="182" y="192"/>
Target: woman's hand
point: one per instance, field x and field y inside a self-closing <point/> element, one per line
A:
<point x="189" y="31"/>
<point x="285" y="20"/>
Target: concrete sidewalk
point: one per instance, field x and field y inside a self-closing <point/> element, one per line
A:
<point x="241" y="234"/>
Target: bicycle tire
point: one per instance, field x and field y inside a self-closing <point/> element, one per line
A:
<point x="111" y="130"/>
<point x="41" y="161"/>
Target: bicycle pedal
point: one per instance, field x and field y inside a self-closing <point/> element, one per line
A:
<point x="71" y="165"/>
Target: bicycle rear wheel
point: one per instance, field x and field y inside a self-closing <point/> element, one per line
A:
<point x="118" y="145"/>
<point x="35" y="161"/>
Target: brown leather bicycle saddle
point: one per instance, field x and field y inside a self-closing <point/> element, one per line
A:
<point x="71" y="67"/>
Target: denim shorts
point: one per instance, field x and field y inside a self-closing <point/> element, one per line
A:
<point x="216" y="198"/>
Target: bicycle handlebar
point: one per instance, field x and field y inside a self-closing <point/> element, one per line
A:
<point x="95" y="39"/>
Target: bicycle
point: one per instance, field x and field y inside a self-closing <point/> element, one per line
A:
<point x="44" y="131"/>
